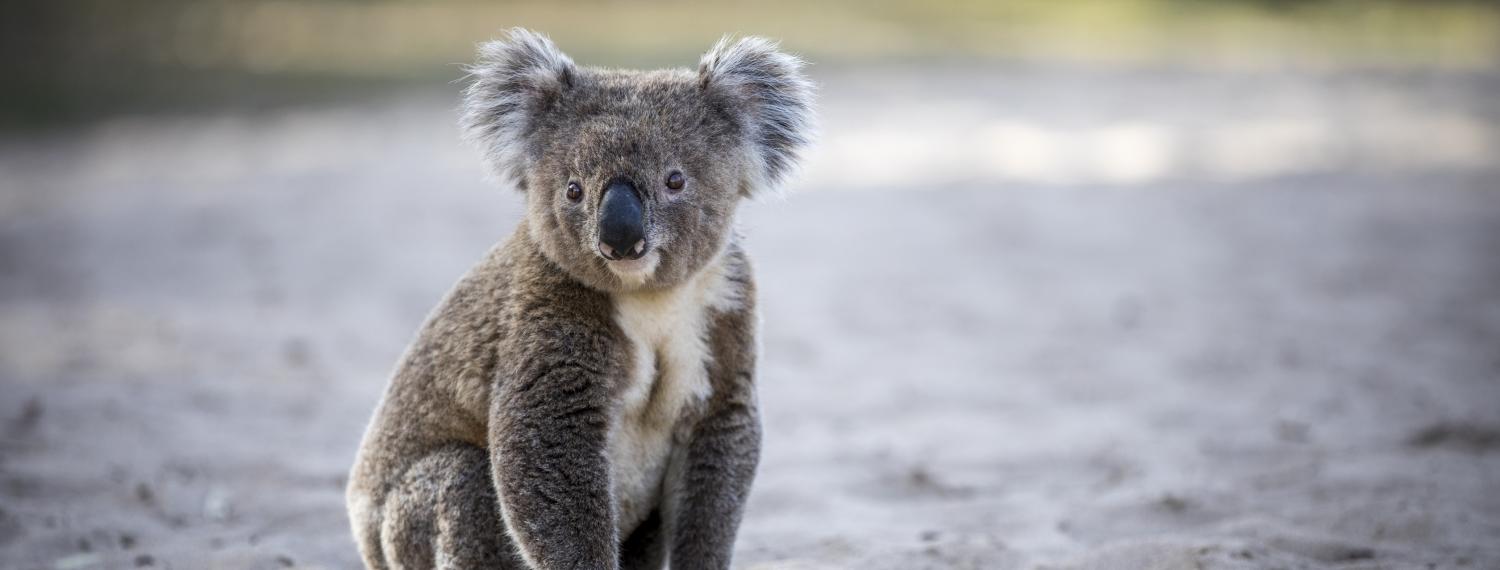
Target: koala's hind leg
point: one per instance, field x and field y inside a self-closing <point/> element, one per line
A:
<point x="444" y="514"/>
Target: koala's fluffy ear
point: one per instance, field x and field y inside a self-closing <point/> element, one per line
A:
<point x="770" y="98"/>
<point x="515" y="80"/>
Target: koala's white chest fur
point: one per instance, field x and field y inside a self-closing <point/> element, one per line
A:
<point x="667" y="331"/>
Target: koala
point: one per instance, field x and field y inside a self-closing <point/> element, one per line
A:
<point x="584" y="397"/>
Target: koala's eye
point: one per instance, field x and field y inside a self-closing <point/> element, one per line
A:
<point x="675" y="181"/>
<point x="575" y="192"/>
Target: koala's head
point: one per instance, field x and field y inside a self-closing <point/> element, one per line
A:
<point x="632" y="178"/>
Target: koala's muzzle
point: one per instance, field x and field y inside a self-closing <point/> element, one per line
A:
<point x="622" y="222"/>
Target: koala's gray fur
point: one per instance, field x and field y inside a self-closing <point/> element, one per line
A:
<point x="559" y="410"/>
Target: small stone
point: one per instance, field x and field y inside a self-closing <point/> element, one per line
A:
<point x="1174" y="503"/>
<point x="217" y="506"/>
<point x="296" y="352"/>
<point x="145" y="560"/>
<point x="1292" y="432"/>
<point x="31" y="415"/>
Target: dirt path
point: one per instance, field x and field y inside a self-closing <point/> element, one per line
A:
<point x="1186" y="330"/>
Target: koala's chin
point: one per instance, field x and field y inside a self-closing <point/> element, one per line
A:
<point x="585" y="396"/>
<point x="634" y="273"/>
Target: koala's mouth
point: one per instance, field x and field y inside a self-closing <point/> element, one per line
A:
<point x="634" y="269"/>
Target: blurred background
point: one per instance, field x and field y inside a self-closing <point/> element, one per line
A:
<point x="1179" y="284"/>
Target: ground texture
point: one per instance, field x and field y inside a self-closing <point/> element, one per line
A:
<point x="1014" y="318"/>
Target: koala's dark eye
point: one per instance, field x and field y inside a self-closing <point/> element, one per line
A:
<point x="675" y="181"/>
<point x="575" y="192"/>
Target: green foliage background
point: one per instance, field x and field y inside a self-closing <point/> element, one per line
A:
<point x="69" y="60"/>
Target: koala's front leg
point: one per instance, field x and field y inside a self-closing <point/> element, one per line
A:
<point x="715" y="477"/>
<point x="713" y="472"/>
<point x="548" y="430"/>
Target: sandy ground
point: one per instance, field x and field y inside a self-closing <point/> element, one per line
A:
<point x="1023" y="318"/>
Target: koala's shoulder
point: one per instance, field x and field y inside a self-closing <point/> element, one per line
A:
<point x="547" y="312"/>
<point x="541" y="291"/>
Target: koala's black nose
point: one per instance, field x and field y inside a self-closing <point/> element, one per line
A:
<point x="622" y="222"/>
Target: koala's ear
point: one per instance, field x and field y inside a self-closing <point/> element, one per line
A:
<point x="766" y="92"/>
<point x="515" y="80"/>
